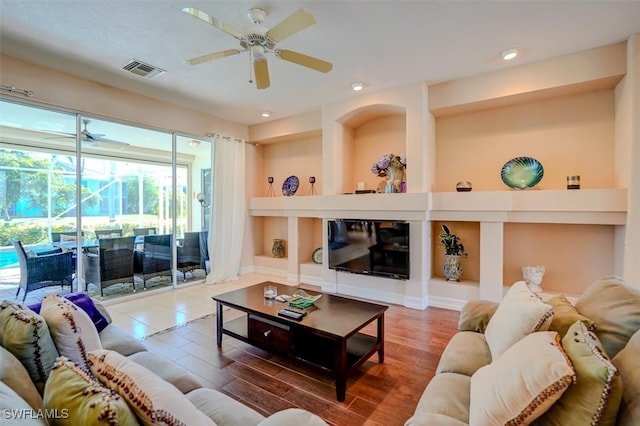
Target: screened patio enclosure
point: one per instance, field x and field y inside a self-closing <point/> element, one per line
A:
<point x="69" y="182"/>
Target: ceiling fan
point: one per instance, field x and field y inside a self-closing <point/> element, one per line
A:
<point x="96" y="139"/>
<point x="259" y="41"/>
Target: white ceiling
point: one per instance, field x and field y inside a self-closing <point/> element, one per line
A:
<point x="381" y="43"/>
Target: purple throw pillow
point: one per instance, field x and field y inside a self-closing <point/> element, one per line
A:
<point x="84" y="302"/>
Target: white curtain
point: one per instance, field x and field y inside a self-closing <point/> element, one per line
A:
<point x="227" y="209"/>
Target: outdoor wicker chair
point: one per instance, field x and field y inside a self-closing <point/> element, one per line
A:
<point x="108" y="233"/>
<point x="155" y="258"/>
<point x="44" y="270"/>
<point x="112" y="265"/>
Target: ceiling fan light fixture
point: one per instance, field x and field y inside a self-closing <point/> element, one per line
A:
<point x="266" y="114"/>
<point x="509" y="54"/>
<point x="194" y="143"/>
<point x="357" y="86"/>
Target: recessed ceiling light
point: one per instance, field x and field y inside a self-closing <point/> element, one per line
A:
<point x="357" y="86"/>
<point x="509" y="54"/>
<point x="265" y="114"/>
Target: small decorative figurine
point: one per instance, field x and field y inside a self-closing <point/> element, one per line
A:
<point x="270" y="191"/>
<point x="533" y="277"/>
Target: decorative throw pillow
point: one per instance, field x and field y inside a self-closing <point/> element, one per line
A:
<point x="71" y="328"/>
<point x="14" y="375"/>
<point x="155" y="401"/>
<point x="521" y="312"/>
<point x="565" y="314"/>
<point x="615" y="308"/>
<point x="87" y="304"/>
<point x="522" y="383"/>
<point x="26" y="335"/>
<point x="15" y="411"/>
<point x="627" y="364"/>
<point x="595" y="397"/>
<point x="475" y="315"/>
<point x="83" y="400"/>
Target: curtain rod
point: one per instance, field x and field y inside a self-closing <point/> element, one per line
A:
<point x="12" y="90"/>
<point x="218" y="135"/>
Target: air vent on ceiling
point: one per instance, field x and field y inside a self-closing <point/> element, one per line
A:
<point x="142" y="69"/>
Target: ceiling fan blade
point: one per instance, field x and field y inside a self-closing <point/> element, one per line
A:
<point x="213" y="21"/>
<point x="261" y="71"/>
<point x="295" y="22"/>
<point x="304" y="60"/>
<point x="212" y="56"/>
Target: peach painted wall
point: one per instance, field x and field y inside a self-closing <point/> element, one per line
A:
<point x="572" y="135"/>
<point x="555" y="246"/>
<point x="373" y="139"/>
<point x="299" y="157"/>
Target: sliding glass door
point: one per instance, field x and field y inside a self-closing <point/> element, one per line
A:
<point x="120" y="188"/>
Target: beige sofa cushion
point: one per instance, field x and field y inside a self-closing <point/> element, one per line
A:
<point x="169" y="371"/>
<point x="521" y="312"/>
<point x="464" y="354"/>
<point x="565" y="315"/>
<point x="293" y="417"/>
<point x="71" y="328"/>
<point x="116" y="339"/>
<point x="627" y="361"/>
<point x="224" y="411"/>
<point x="615" y="308"/>
<point x="152" y="399"/>
<point x="522" y="383"/>
<point x="446" y="398"/>
<point x="11" y="401"/>
<point x="83" y="398"/>
<point x="26" y="335"/>
<point x="595" y="396"/>
<point x="14" y="375"/>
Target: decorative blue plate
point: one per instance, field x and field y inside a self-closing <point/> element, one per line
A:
<point x="522" y="172"/>
<point x="290" y="186"/>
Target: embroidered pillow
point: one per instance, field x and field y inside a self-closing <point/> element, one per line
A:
<point x="26" y="335"/>
<point x="84" y="399"/>
<point x="155" y="401"/>
<point x="521" y="312"/>
<point x="595" y="397"/>
<point x="71" y="328"/>
<point x="565" y="314"/>
<point x="521" y="384"/>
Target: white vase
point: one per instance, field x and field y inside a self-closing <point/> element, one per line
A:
<point x="452" y="267"/>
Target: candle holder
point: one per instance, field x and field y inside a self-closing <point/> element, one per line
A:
<point x="312" y="189"/>
<point x="270" y="191"/>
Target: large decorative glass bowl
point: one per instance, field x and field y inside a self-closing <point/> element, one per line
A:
<point x="522" y="172"/>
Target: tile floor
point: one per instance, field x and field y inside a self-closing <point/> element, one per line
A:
<point x="146" y="313"/>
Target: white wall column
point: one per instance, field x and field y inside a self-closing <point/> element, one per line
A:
<point x="491" y="260"/>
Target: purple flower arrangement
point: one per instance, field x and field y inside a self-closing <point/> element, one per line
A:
<point x="381" y="167"/>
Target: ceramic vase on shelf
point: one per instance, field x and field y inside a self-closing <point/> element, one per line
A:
<point x="394" y="179"/>
<point x="278" y="248"/>
<point x="452" y="267"/>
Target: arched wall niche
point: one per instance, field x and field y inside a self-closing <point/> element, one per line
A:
<point x="367" y="133"/>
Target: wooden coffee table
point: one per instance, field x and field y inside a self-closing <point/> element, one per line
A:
<point x="328" y="337"/>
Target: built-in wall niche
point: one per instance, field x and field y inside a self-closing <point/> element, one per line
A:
<point x="569" y="135"/>
<point x="469" y="234"/>
<point x="301" y="157"/>
<point x="266" y="229"/>
<point x="310" y="238"/>
<point x="574" y="255"/>
<point x="368" y="134"/>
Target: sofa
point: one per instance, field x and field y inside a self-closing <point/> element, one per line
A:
<point x="63" y="362"/>
<point x="542" y="360"/>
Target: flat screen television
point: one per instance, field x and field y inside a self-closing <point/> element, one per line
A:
<point x="370" y="247"/>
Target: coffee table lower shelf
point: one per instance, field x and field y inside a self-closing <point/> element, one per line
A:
<point x="334" y="354"/>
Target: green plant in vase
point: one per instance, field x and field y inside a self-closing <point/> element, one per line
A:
<point x="454" y="251"/>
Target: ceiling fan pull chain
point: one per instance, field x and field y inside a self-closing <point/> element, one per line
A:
<point x="250" y="67"/>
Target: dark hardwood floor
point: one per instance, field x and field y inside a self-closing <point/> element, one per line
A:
<point x="377" y="394"/>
